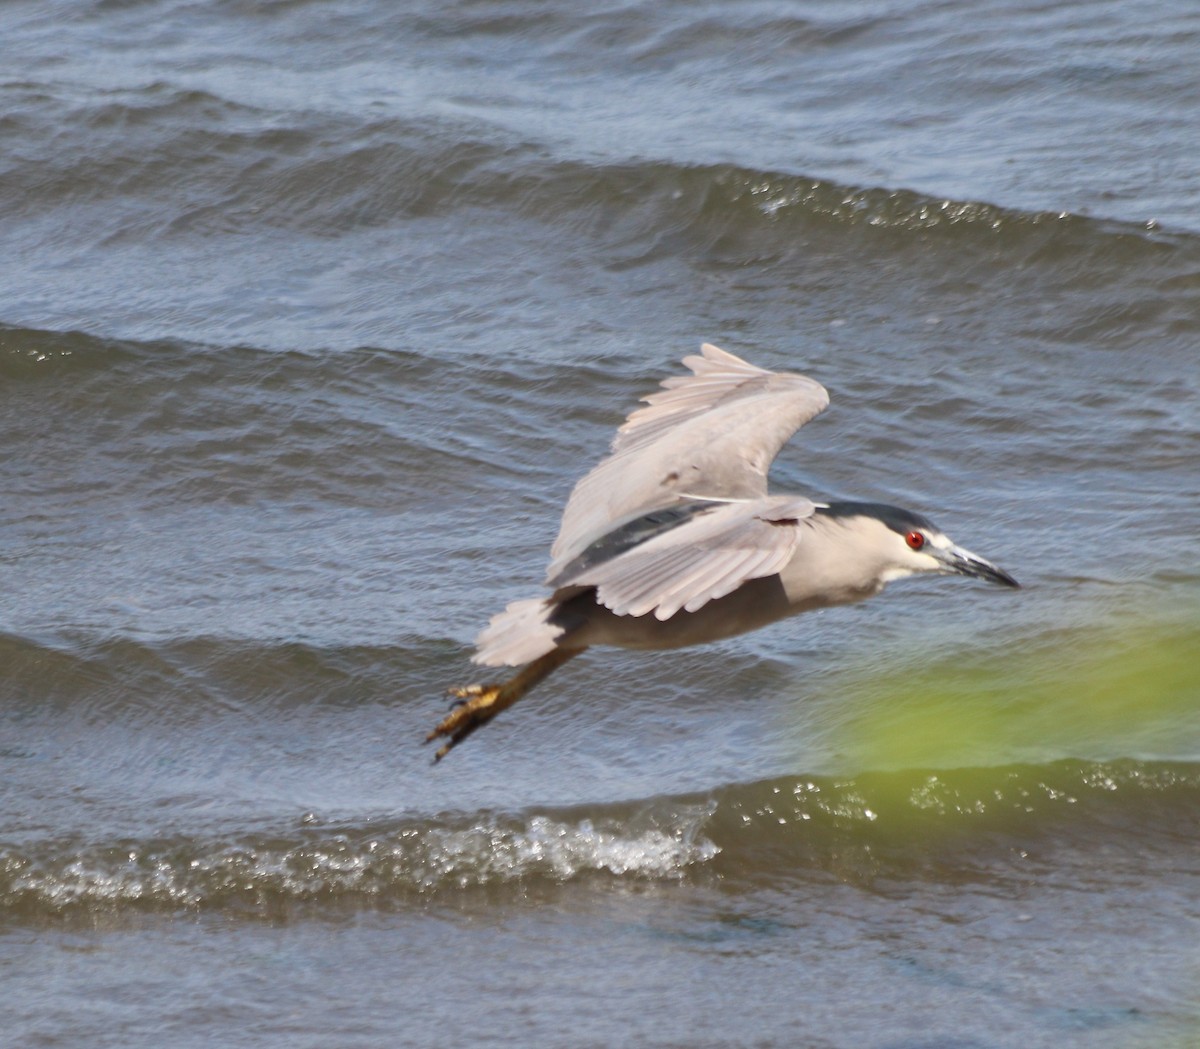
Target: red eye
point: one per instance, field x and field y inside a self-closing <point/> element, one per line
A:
<point x="915" y="539"/>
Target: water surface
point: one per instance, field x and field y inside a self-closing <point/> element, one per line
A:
<point x="313" y="313"/>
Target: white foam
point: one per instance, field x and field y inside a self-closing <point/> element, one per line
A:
<point x="415" y="858"/>
<point x="562" y="850"/>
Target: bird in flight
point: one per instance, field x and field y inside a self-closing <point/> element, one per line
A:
<point x="674" y="540"/>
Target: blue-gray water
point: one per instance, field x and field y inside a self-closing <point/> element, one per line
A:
<point x="310" y="316"/>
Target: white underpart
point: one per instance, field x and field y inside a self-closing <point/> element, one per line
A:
<point x="890" y="575"/>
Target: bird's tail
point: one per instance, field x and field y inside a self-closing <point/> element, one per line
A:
<point x="520" y="634"/>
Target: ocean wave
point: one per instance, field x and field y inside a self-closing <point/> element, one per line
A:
<point x="982" y="822"/>
<point x="362" y="864"/>
<point x="87" y="669"/>
<point x="30" y="353"/>
<point x="896" y="804"/>
<point x="738" y="216"/>
<point x="1002" y="826"/>
<point x="246" y="168"/>
<point x="199" y="423"/>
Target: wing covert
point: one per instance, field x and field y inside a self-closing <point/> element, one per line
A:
<point x="708" y="556"/>
<point x="711" y="434"/>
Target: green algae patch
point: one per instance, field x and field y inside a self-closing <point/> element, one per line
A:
<point x="1089" y="691"/>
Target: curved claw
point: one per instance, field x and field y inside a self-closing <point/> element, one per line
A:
<point x="476" y="705"/>
<point x="465" y="693"/>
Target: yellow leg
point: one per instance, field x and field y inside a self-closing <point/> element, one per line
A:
<point x="478" y="704"/>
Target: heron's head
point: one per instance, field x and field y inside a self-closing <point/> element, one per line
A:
<point x="903" y="543"/>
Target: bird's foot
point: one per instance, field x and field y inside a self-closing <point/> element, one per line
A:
<point x="474" y="706"/>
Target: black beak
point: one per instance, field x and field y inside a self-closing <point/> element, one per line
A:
<point x="956" y="559"/>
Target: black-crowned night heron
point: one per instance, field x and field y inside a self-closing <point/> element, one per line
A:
<point x="673" y="540"/>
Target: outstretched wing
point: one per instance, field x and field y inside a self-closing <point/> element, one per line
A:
<point x="712" y="434"/>
<point x="714" y="551"/>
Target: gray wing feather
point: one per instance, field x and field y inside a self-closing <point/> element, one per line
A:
<point x="709" y="556"/>
<point x="716" y="375"/>
<point x="713" y="434"/>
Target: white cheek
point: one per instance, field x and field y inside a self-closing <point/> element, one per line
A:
<point x="917" y="563"/>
